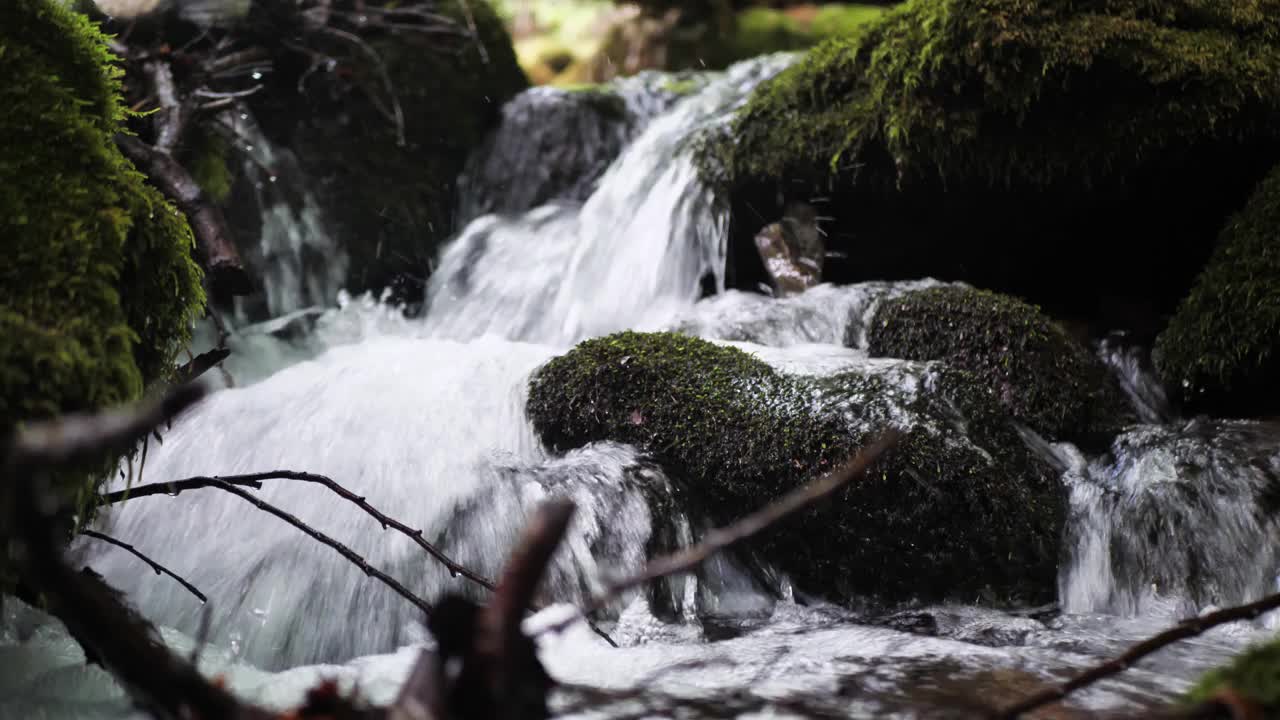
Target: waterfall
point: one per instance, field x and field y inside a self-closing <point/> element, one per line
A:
<point x="632" y="255"/>
<point x="425" y="418"/>
<point x="1159" y="525"/>
<point x="298" y="260"/>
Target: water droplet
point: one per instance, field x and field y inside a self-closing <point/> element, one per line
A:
<point x="257" y="75"/>
<point x="273" y="178"/>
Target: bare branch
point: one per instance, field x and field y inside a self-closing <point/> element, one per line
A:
<point x="201" y="364"/>
<point x="343" y="550"/>
<point x="80" y="437"/>
<point x="157" y="567"/>
<point x="222" y="260"/>
<point x="254" y="480"/>
<point x="475" y="32"/>
<point x="396" y="113"/>
<point x="1189" y="628"/>
<point x="170" y="119"/>
<point x="499" y="623"/>
<point x="690" y="558"/>
<point x="175" y="487"/>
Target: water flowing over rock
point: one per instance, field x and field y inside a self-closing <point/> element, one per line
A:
<point x="1157" y="520"/>
<point x="634" y="253"/>
<point x="297" y="260"/>
<point x="554" y="144"/>
<point x="427" y="419"/>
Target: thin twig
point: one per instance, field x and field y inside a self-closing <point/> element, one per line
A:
<point x="254" y="480"/>
<point x="475" y="32"/>
<point x="174" y="487"/>
<point x="1188" y="628"/>
<point x="343" y="550"/>
<point x="690" y="558"/>
<point x="397" y="112"/>
<point x="157" y="567"/>
<point x="80" y="437"/>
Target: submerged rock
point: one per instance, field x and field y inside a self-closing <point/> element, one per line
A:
<point x="959" y="510"/>
<point x="1221" y="350"/>
<point x="1022" y="146"/>
<point x="1040" y="374"/>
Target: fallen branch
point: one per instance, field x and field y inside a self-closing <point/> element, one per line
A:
<point x="221" y="259"/>
<point x="719" y="539"/>
<point x="171" y="118"/>
<point x="346" y="552"/>
<point x="82" y="437"/>
<point x="93" y="613"/>
<point x="1189" y="628"/>
<point x="157" y="567"/>
<point x="201" y="364"/>
<point x="255" y="481"/>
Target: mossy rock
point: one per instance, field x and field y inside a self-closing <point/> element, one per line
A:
<point x="1041" y="375"/>
<point x="1027" y="146"/>
<point x="392" y="206"/>
<point x="98" y="288"/>
<point x="1221" y="350"/>
<point x="1253" y="676"/>
<point x="944" y="515"/>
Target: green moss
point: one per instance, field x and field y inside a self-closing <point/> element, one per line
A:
<point x="943" y="515"/>
<point x="1026" y="92"/>
<point x="98" y="289"/>
<point x="1040" y="374"/>
<point x="1220" y="349"/>
<point x="1254" y="675"/>
<point x="206" y="159"/>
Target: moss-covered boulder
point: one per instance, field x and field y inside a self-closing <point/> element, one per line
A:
<point x="1221" y="350"/>
<point x="1039" y="373"/>
<point x="960" y="509"/>
<point x="391" y="204"/>
<point x="98" y="289"/>
<point x="1027" y="146"/>
<point x="1253" y="676"/>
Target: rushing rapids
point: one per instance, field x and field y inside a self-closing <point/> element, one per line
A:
<point x="426" y="419"/>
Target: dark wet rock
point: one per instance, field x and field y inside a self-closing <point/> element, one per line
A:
<point x="961" y="509"/>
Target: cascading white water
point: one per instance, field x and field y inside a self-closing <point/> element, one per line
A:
<point x="299" y="262"/>
<point x="426" y="420"/>
<point x="1159" y="525"/>
<point x="631" y="256"/>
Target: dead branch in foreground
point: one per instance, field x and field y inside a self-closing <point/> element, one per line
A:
<point x="498" y="673"/>
<point x="1189" y="628"/>
<point x="720" y="539"/>
<point x="157" y="567"/>
<point x="324" y="539"/>
<point x="254" y="480"/>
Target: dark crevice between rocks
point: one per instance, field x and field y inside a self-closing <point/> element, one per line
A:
<point x="1115" y="256"/>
